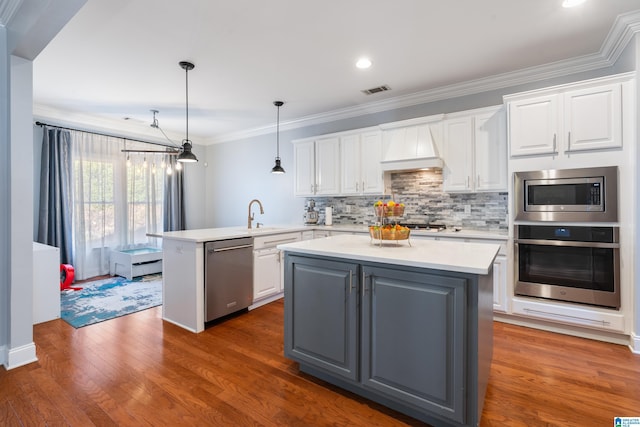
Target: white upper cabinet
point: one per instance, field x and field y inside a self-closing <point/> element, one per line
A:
<point x="304" y="158"/>
<point x="327" y="166"/>
<point x="458" y="154"/>
<point x="475" y="151"/>
<point x="360" y="156"/>
<point x="490" y="150"/>
<point x="317" y="167"/>
<point x="533" y="126"/>
<point x="565" y="119"/>
<point x="593" y="118"/>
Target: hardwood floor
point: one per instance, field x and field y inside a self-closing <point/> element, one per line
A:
<point x="140" y="371"/>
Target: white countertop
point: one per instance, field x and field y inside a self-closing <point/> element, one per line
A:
<point x="465" y="257"/>
<point x="222" y="233"/>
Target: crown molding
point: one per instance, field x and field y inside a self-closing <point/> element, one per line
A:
<point x="621" y="33"/>
<point x="8" y="9"/>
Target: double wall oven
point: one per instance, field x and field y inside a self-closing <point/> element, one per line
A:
<point x="563" y="248"/>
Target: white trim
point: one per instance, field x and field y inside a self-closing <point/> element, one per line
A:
<point x="8" y="9"/>
<point x="634" y="343"/>
<point x="565" y="329"/>
<point x="267" y="300"/>
<point x="20" y="356"/>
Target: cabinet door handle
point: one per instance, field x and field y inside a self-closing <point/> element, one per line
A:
<point x="554" y="143"/>
<point x="357" y="189"/>
<point x="350" y="281"/>
<point x="363" y="186"/>
<point x="364" y="284"/>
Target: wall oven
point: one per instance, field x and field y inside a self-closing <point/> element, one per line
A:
<point x="569" y="195"/>
<point x="568" y="263"/>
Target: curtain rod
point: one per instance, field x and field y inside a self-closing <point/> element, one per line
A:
<point x="110" y="136"/>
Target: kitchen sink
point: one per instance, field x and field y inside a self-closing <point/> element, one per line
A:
<point x="255" y="230"/>
<point x="262" y="229"/>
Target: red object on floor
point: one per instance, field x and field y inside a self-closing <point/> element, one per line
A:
<point x="67" y="274"/>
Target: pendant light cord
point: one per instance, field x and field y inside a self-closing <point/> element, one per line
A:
<point x="278" y="133"/>
<point x="186" y="79"/>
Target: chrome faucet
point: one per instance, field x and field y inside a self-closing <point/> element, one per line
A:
<point x="251" y="216"/>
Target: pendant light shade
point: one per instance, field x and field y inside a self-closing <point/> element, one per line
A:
<point x="186" y="156"/>
<point x="278" y="167"/>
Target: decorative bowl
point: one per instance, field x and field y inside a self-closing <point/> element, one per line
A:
<point x="391" y="233"/>
<point x="387" y="211"/>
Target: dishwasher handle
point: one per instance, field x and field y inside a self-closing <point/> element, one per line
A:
<point x="230" y="248"/>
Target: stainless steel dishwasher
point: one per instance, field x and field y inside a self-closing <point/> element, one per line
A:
<point x="228" y="274"/>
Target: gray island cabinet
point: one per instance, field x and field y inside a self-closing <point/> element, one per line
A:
<point x="402" y="325"/>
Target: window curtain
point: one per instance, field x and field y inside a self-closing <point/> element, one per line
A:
<point x="56" y="189"/>
<point x="95" y="198"/>
<point x="174" y="213"/>
<point x="117" y="199"/>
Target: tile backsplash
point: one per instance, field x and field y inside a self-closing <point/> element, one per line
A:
<point x="421" y="192"/>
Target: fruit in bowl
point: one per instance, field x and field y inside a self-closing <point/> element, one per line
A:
<point x="389" y="232"/>
<point x="389" y="208"/>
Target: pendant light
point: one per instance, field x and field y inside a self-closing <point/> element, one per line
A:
<point x="186" y="156"/>
<point x="278" y="168"/>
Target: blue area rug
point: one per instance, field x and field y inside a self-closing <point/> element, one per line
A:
<point x="110" y="298"/>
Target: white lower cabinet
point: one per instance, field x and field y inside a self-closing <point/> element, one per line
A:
<point x="267" y="264"/>
<point x="567" y="314"/>
<point x="266" y="273"/>
<point x="500" y="283"/>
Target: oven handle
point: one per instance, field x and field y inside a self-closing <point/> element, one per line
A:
<point x="568" y="243"/>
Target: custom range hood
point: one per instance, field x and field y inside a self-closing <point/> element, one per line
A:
<point x="410" y="148"/>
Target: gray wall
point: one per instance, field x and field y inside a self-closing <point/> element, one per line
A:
<point x="635" y="49"/>
<point x="21" y="256"/>
<point x="240" y="171"/>
<point x="5" y="225"/>
<point x="20" y="42"/>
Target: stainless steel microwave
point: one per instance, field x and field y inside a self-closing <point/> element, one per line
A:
<point x="568" y="195"/>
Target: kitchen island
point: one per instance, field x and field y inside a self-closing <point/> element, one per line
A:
<point x="408" y="326"/>
<point x="183" y="275"/>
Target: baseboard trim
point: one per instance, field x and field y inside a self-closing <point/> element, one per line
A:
<point x="576" y="331"/>
<point x="267" y="300"/>
<point x="634" y="344"/>
<point x="21" y="356"/>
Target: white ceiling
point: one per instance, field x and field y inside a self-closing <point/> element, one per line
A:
<point x="118" y="59"/>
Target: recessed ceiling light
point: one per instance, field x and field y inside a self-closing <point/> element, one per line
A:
<point x="572" y="3"/>
<point x="363" y="63"/>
